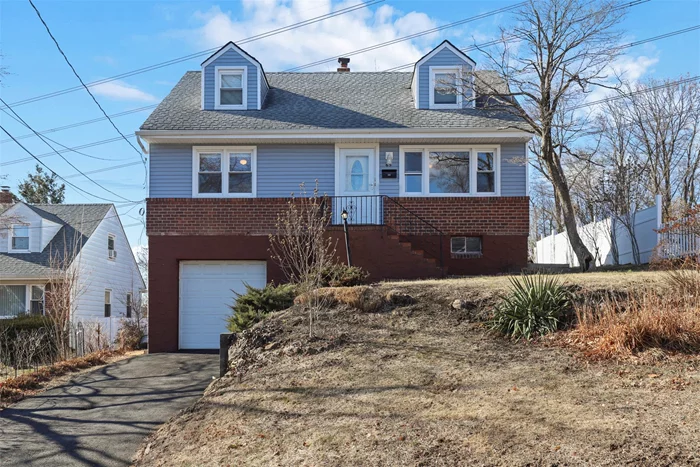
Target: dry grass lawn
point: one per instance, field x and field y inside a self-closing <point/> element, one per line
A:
<point x="424" y="384"/>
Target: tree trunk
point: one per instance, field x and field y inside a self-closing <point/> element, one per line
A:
<point x="561" y="188"/>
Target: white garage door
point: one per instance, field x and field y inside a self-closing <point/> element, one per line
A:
<point x="206" y="295"/>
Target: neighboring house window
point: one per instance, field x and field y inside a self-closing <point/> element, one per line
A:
<point x="108" y="303"/>
<point x="465" y="247"/>
<point x="224" y="172"/>
<point x="231" y="88"/>
<point x="37" y="300"/>
<point x="445" y="88"/>
<point x="111" y="252"/>
<point x="453" y="171"/>
<point x="13" y="300"/>
<point x="20" y="238"/>
<point x="128" y="304"/>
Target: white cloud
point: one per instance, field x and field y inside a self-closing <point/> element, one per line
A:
<point x="121" y="91"/>
<point x="629" y="69"/>
<point x="331" y="37"/>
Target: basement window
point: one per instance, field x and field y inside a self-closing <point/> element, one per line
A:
<point x="465" y="247"/>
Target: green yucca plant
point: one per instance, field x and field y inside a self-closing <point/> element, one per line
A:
<point x="534" y="306"/>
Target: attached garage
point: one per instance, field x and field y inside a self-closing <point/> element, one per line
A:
<point x="206" y="293"/>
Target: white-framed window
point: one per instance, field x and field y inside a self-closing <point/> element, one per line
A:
<point x="231" y="88"/>
<point x="465" y="247"/>
<point x="108" y="303"/>
<point x="19" y="239"/>
<point x="129" y="304"/>
<point x="13" y="300"/>
<point x="224" y="172"/>
<point x="36" y="300"/>
<point x="445" y="87"/>
<point x="111" y="252"/>
<point x="449" y="171"/>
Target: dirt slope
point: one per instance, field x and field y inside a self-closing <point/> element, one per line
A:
<point x="426" y="385"/>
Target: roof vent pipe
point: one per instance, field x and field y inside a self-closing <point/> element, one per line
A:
<point x="343" y="64"/>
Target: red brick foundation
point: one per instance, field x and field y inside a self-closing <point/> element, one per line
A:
<point x="237" y="229"/>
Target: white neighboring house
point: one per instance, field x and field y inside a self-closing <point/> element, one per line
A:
<point x="108" y="278"/>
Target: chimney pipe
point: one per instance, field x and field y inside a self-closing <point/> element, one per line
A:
<point x="343" y="64"/>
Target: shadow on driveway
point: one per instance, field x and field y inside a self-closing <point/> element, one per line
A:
<point x="101" y="417"/>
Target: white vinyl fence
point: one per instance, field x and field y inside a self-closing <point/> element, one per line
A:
<point x="598" y="237"/>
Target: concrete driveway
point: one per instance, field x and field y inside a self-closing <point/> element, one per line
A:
<point x="101" y="417"/>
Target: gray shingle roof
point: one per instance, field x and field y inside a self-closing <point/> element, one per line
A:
<point x="308" y="101"/>
<point x="78" y="221"/>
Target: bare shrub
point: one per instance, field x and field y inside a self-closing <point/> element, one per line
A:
<point x="129" y="334"/>
<point x="302" y="248"/>
<point x="622" y="328"/>
<point x="364" y="298"/>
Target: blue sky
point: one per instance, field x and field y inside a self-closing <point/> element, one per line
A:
<point x="106" y="38"/>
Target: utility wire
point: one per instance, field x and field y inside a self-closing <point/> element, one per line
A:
<point x="202" y="53"/>
<point x="396" y="68"/>
<point x="52" y="171"/>
<point x="106" y="169"/>
<point x="85" y="122"/>
<point x="639" y="91"/>
<point x="60" y="155"/>
<point x="4" y="109"/>
<point x="410" y="36"/>
<point x="84" y="85"/>
<point x="83" y="146"/>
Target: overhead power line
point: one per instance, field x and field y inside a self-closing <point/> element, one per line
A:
<point x="85" y="122"/>
<point x="409" y="37"/>
<point x="639" y="91"/>
<point x="87" y="89"/>
<point x="54" y="149"/>
<point x="53" y="171"/>
<point x="202" y="53"/>
<point x="61" y="151"/>
<point x="106" y="169"/>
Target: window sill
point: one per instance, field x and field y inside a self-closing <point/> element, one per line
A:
<point x="230" y="107"/>
<point x="449" y="195"/>
<point x="19" y="251"/>
<point x="466" y="255"/>
<point x="445" y="107"/>
<point x="222" y="196"/>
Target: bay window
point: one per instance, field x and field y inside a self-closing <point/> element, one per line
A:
<point x="224" y="172"/>
<point x="449" y="171"/>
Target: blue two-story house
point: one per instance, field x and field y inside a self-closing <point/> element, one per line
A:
<point x="433" y="181"/>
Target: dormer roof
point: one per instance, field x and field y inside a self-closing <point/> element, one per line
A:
<point x="443" y="45"/>
<point x="232" y="46"/>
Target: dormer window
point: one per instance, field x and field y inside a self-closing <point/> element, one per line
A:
<point x="445" y="92"/>
<point x="19" y="240"/>
<point x="231" y="88"/>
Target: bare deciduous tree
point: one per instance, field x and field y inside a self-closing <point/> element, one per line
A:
<point x="557" y="52"/>
<point x="63" y="289"/>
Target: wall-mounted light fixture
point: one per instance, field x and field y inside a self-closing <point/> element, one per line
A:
<point x="389" y="157"/>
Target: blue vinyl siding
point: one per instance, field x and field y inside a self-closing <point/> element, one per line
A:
<point x="230" y="58"/>
<point x="388" y="186"/>
<point x="263" y="91"/>
<point x="282" y="167"/>
<point x="513" y="170"/>
<point x="444" y="57"/>
<point x="170" y="171"/>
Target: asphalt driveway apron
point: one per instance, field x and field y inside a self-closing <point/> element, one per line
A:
<point x="101" y="417"/>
